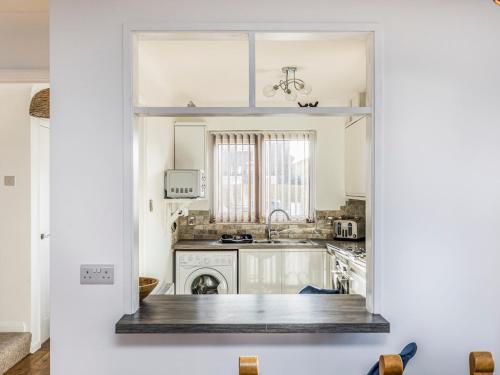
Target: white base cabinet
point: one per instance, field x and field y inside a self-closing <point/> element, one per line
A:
<point x="282" y="271"/>
<point x="259" y="272"/>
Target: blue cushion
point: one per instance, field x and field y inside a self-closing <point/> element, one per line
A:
<point x="309" y="289"/>
<point x="406" y="354"/>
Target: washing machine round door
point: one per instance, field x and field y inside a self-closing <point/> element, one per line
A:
<point x="205" y="281"/>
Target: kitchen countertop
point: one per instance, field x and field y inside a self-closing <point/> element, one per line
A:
<point x="243" y="313"/>
<point x="215" y="245"/>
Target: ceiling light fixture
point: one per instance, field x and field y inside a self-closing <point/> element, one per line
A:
<point x="290" y="85"/>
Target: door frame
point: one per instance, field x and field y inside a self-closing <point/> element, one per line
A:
<point x="131" y="130"/>
<point x="36" y="310"/>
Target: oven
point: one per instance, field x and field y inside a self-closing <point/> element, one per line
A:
<point x="341" y="279"/>
<point x="348" y="270"/>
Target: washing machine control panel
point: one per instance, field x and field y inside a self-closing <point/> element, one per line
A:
<point x="205" y="259"/>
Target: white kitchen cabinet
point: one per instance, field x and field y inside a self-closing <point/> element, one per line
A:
<point x="259" y="271"/>
<point x="301" y="268"/>
<point x="282" y="271"/>
<point x="356" y="156"/>
<point x="190" y="144"/>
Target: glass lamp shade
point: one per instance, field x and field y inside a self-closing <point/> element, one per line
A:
<point x="306" y="89"/>
<point x="270" y="91"/>
<point x="291" y="95"/>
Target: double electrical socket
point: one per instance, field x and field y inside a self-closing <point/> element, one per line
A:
<point x="97" y="274"/>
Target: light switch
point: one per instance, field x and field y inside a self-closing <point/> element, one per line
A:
<point x="97" y="274"/>
<point x="9" y="180"/>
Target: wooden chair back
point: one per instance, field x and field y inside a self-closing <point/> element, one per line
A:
<point x="390" y="364"/>
<point x="249" y="365"/>
<point x="481" y="363"/>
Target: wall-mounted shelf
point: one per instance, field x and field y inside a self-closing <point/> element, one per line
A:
<point x="245" y="313"/>
<point x="250" y="111"/>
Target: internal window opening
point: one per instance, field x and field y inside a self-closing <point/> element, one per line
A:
<point x="236" y="200"/>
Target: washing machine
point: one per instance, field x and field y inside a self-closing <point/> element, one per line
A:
<point x="206" y="272"/>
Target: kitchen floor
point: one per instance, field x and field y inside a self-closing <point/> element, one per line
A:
<point x="37" y="363"/>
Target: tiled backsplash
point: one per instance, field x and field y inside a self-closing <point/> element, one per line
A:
<point x="197" y="225"/>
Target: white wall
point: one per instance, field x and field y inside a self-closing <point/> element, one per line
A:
<point x="15" y="207"/>
<point x="436" y="174"/>
<point x="330" y="186"/>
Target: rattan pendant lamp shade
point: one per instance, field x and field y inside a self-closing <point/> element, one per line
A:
<point x="40" y="104"/>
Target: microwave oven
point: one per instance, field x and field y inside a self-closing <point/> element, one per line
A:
<point x="185" y="183"/>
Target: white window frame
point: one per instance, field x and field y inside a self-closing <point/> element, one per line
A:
<point x="131" y="114"/>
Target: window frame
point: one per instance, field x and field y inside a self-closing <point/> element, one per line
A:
<point x="261" y="215"/>
<point x="132" y="114"/>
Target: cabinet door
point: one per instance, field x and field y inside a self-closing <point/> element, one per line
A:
<point x="303" y="267"/>
<point x="356" y="159"/>
<point x="189" y="146"/>
<point x="259" y="272"/>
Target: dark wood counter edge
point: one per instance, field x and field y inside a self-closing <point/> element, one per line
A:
<point x="124" y="328"/>
<point x="146" y="321"/>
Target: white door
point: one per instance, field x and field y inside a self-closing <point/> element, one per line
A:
<point x="303" y="267"/>
<point x="44" y="224"/>
<point x="356" y="159"/>
<point x="260" y="272"/>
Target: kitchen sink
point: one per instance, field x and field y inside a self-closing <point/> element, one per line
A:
<point x="286" y="241"/>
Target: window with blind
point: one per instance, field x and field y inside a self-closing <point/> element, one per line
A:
<point x="255" y="173"/>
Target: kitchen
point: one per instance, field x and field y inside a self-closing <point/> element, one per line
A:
<point x="242" y="204"/>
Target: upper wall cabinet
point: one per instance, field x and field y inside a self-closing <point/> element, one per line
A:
<point x="189" y="146"/>
<point x="293" y="68"/>
<point x="203" y="69"/>
<point x="356" y="156"/>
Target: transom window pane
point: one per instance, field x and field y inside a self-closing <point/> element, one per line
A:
<point x="203" y="69"/>
<point x="318" y="69"/>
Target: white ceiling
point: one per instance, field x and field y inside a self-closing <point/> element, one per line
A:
<point x="24" y="34"/>
<point x="176" y="68"/>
